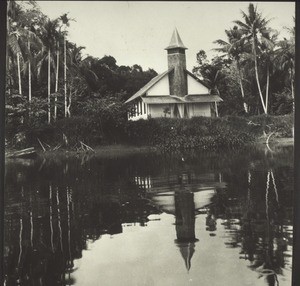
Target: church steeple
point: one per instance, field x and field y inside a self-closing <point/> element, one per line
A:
<point x="177" y="60"/>
<point x="176" y="41"/>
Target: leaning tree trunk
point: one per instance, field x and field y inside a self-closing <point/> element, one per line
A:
<point x="241" y="86"/>
<point x="49" y="90"/>
<point x="256" y="76"/>
<point x="69" y="103"/>
<point x="19" y="73"/>
<point x="29" y="76"/>
<point x="292" y="88"/>
<point x="56" y="81"/>
<point x="267" y="88"/>
<point x="65" y="75"/>
<point x="9" y="75"/>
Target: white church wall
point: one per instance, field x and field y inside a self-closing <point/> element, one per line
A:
<point x="195" y="109"/>
<point x="157" y="110"/>
<point x="195" y="87"/>
<point x="141" y="111"/>
<point x="200" y="109"/>
<point x="160" y="88"/>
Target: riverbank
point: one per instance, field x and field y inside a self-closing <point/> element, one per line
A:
<point x="165" y="134"/>
<point x="111" y="151"/>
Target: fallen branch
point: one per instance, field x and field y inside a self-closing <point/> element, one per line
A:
<point x="57" y="147"/>
<point x="252" y="123"/>
<point x="41" y="144"/>
<point x="21" y="153"/>
<point x="86" y="146"/>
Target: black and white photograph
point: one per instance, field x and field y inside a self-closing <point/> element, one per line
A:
<point x="149" y="143"/>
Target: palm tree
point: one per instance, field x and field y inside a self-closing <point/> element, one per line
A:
<point x="234" y="48"/>
<point x="34" y="44"/>
<point x="285" y="57"/>
<point x="267" y="48"/>
<point x="77" y="77"/>
<point x="49" y="36"/>
<point x="255" y="32"/>
<point x="65" y="23"/>
<point x="14" y="49"/>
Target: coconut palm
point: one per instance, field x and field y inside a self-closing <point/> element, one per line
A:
<point x="234" y="49"/>
<point x="14" y="35"/>
<point x="65" y="20"/>
<point x="285" y="57"/>
<point x="267" y="55"/>
<point x="49" y="36"/>
<point x="256" y="32"/>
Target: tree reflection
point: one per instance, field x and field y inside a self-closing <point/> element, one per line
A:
<point x="261" y="236"/>
<point x="55" y="208"/>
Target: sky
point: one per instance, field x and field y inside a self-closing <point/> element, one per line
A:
<point x="138" y="32"/>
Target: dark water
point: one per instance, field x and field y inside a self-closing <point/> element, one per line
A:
<point x="149" y="219"/>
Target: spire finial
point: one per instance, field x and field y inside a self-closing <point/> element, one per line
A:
<point x="176" y="41"/>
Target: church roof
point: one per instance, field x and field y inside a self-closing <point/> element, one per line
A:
<point x="196" y="98"/>
<point x="176" y="42"/>
<point x="146" y="87"/>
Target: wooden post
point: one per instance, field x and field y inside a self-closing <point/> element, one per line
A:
<point x="216" y="109"/>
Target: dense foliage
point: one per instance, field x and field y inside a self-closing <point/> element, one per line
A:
<point x="53" y="93"/>
<point x="206" y="133"/>
<point x="165" y="133"/>
<point x="43" y="66"/>
<point x="254" y="72"/>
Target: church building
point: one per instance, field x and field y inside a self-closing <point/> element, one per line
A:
<point x="176" y="93"/>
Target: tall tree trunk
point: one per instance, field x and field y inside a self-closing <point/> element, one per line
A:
<point x="49" y="88"/>
<point x="267" y="87"/>
<point x="59" y="221"/>
<point x="51" y="217"/>
<point x="292" y="88"/>
<point x="69" y="102"/>
<point x="56" y="81"/>
<point x="19" y="73"/>
<point x="257" y="77"/>
<point x="292" y="84"/>
<point x="29" y="76"/>
<point x="7" y="57"/>
<point x="241" y="86"/>
<point x="9" y="75"/>
<point x="65" y="74"/>
<point x="20" y="242"/>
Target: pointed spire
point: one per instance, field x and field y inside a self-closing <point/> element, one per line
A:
<point x="187" y="250"/>
<point x="176" y="41"/>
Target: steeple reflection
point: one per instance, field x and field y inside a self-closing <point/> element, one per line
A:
<point x="185" y="225"/>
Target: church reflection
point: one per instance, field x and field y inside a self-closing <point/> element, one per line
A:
<point x="185" y="225"/>
<point x="52" y="215"/>
<point x="184" y="196"/>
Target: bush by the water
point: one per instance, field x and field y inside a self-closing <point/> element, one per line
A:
<point x="205" y="132"/>
<point x="198" y="132"/>
<point x="165" y="133"/>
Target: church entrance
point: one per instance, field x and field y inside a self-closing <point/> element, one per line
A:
<point x="181" y="110"/>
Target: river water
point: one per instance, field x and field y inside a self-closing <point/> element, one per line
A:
<point x="195" y="218"/>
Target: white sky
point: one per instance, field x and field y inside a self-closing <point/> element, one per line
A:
<point x="138" y="32"/>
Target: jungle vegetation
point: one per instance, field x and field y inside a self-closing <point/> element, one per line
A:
<point x="52" y="86"/>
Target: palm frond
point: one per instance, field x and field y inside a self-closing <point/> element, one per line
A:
<point x="242" y="25"/>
